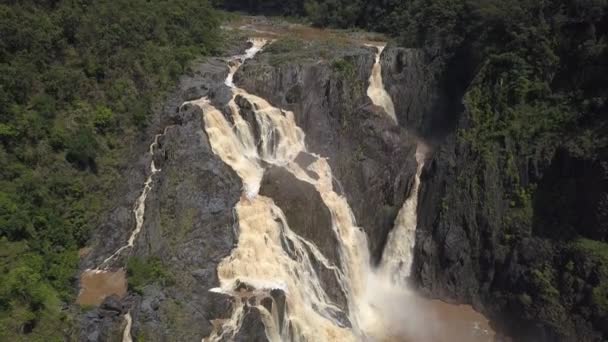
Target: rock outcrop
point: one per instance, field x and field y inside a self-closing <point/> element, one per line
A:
<point x="188" y="225"/>
<point x="308" y="216"/>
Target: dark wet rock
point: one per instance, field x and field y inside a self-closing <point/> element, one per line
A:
<point x="421" y="103"/>
<point x="100" y="325"/>
<point x="151" y="301"/>
<point x="304" y="209"/>
<point x="525" y="274"/>
<point x="92" y="337"/>
<point x="278" y="297"/>
<point x="188" y="224"/>
<point x="243" y="287"/>
<point x="307" y="216"/>
<point x="252" y="328"/>
<point x="221" y="95"/>
<point x="304" y="160"/>
<point x="248" y="113"/>
<point x="267" y="303"/>
<point x="112" y="304"/>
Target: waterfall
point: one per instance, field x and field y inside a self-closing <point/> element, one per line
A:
<point x="103" y="282"/>
<point x="398" y="253"/>
<point x="271" y="257"/>
<point x="126" y="333"/>
<point x="139" y="209"/>
<point x="376" y="91"/>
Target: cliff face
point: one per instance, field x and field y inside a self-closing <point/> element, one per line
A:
<point x="526" y="262"/>
<point x="422" y="101"/>
<point x="533" y="261"/>
<point x="188" y="226"/>
<point x="189" y="223"/>
<point x="515" y="259"/>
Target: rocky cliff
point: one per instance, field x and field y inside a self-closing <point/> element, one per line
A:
<point x="524" y="257"/>
<point x="189" y="224"/>
<point x="476" y="242"/>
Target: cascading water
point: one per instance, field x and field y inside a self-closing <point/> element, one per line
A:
<point x="397" y="256"/>
<point x="139" y="209"/>
<point x="376" y="91"/>
<point x="126" y="333"/>
<point x="100" y="282"/>
<point x="269" y="255"/>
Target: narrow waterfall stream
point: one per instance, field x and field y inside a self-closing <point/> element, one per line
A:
<point x="101" y="282"/>
<point x="398" y="254"/>
<point x="376" y="91"/>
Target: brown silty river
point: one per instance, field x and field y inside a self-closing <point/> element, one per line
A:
<point x="95" y="286"/>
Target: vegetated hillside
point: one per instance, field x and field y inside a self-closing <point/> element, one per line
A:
<point x="78" y="80"/>
<point x="520" y="189"/>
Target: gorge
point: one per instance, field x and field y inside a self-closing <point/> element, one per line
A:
<point x="336" y="171"/>
<point x="284" y="281"/>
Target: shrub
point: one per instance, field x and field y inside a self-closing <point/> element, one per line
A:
<point x="142" y="272"/>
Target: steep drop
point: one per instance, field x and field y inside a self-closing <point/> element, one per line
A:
<point x="271" y="261"/>
<point x="398" y="255"/>
<point x="376" y="91"/>
<point x="269" y="255"/>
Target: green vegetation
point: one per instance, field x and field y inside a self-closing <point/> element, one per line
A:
<point x="597" y="253"/>
<point x="291" y="49"/>
<point x="78" y="80"/>
<point x="77" y="83"/>
<point x="344" y="67"/>
<point x="141" y="273"/>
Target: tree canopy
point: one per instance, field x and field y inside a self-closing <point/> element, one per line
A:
<point x="77" y="82"/>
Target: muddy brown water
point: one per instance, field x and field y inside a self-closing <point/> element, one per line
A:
<point x="96" y="285"/>
<point x="459" y="323"/>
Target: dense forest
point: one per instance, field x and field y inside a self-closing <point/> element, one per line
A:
<point x="78" y="80"/>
